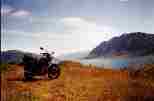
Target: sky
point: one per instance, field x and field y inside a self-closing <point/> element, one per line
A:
<point x="67" y="26"/>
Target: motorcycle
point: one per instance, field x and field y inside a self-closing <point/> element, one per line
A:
<point x="43" y="65"/>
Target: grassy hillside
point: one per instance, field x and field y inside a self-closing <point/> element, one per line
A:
<point x="78" y="83"/>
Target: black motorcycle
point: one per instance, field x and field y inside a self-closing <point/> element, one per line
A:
<point x="41" y="66"/>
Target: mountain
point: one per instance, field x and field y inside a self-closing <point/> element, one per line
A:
<point x="14" y="56"/>
<point x="130" y="44"/>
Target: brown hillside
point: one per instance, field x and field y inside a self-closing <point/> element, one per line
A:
<point x="76" y="83"/>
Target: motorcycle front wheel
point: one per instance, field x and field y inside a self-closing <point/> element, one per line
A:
<point x="28" y="76"/>
<point x="53" y="71"/>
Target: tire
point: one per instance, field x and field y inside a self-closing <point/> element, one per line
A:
<point x="53" y="71"/>
<point x="28" y="76"/>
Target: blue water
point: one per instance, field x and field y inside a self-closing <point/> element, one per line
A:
<point x="118" y="62"/>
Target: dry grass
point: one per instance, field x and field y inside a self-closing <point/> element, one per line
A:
<point x="76" y="83"/>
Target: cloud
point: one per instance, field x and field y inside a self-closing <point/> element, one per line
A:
<point x="87" y="33"/>
<point x="21" y="13"/>
<point x="124" y="0"/>
<point x="69" y="25"/>
<point x="17" y="33"/>
<point x="38" y="35"/>
<point x="77" y="23"/>
<point x="7" y="10"/>
<point x="84" y="25"/>
<point x="80" y="31"/>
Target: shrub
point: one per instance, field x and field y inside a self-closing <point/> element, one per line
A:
<point x="23" y="96"/>
<point x="4" y="67"/>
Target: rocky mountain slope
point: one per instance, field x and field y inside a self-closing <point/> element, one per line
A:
<point x="131" y="44"/>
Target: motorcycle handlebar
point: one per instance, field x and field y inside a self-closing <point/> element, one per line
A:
<point x="48" y="53"/>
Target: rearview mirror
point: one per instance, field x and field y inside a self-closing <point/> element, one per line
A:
<point x="41" y="48"/>
<point x="53" y="53"/>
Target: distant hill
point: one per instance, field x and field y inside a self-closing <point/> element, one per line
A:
<point x="14" y="56"/>
<point x="130" y="44"/>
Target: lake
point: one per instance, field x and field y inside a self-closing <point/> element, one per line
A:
<point x="118" y="62"/>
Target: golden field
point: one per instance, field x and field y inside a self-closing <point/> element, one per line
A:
<point x="79" y="82"/>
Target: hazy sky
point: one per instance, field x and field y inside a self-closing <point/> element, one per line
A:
<point x="71" y="25"/>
